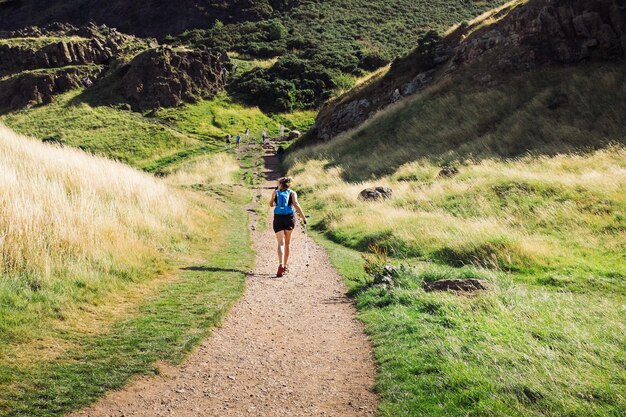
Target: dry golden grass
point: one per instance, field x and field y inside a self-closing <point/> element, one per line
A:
<point x="68" y="213"/>
<point x="216" y="169"/>
<point x="84" y="240"/>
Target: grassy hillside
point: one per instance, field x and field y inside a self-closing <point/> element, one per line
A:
<point x="321" y="46"/>
<point x="547" y="112"/>
<point x="546" y="232"/>
<point x="106" y="269"/>
<point x="537" y="210"/>
<point x="157" y="144"/>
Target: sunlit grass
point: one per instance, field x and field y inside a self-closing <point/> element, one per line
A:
<point x="214" y="119"/>
<point x="106" y="269"/>
<point x="534" y="215"/>
<point x="101" y="129"/>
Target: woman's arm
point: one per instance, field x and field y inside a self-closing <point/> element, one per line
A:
<point x="273" y="199"/>
<point x="297" y="207"/>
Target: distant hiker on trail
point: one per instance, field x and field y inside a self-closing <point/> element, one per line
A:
<point x="280" y="153"/>
<point x="247" y="133"/>
<point x="263" y="136"/>
<point x="285" y="203"/>
<point x="282" y="132"/>
<point x="237" y="140"/>
<point x="228" y="140"/>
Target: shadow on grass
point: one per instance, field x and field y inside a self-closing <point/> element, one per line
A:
<point x="212" y="269"/>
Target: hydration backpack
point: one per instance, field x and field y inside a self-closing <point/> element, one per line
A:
<point x="283" y="202"/>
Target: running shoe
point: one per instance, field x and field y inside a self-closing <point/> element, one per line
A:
<point x="280" y="271"/>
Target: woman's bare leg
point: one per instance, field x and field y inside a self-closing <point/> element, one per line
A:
<point x="280" y="239"/>
<point x="287" y="243"/>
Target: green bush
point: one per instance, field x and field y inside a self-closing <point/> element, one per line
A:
<point x="292" y="83"/>
<point x="324" y="39"/>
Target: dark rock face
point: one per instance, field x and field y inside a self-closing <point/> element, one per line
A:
<point x="164" y="77"/>
<point x="524" y="37"/>
<point x="98" y="49"/>
<point x="376" y="193"/>
<point x="35" y="71"/>
<point x="457" y="285"/>
<point x="61" y="54"/>
<point x="551" y="32"/>
<point x="345" y="117"/>
<point x="34" y="88"/>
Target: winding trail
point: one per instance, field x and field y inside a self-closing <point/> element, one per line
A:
<point x="290" y="347"/>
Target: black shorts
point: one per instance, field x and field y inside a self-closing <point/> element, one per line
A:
<point x="284" y="222"/>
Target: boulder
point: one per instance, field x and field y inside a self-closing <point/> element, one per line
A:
<point x="294" y="134"/>
<point x="164" y="77"/>
<point x="457" y="285"/>
<point x="448" y="172"/>
<point x="376" y="194"/>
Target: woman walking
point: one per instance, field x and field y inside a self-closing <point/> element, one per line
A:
<point x="285" y="203"/>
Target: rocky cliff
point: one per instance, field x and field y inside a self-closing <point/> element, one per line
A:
<point x="39" y="87"/>
<point x="38" y="63"/>
<point x="165" y="77"/>
<point x="73" y="51"/>
<point x="521" y="36"/>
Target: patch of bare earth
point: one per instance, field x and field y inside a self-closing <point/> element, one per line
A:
<point x="290" y="347"/>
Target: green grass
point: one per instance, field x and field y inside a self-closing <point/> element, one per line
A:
<point x="550" y="220"/>
<point x="214" y="119"/>
<point x="173" y="318"/>
<point x="40" y="42"/>
<point x="100" y="333"/>
<point x="158" y="144"/>
<point x="537" y="209"/>
<point x="516" y="350"/>
<point x="245" y="63"/>
<point x="103" y="130"/>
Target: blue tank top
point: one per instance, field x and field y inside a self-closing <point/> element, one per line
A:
<point x="283" y="206"/>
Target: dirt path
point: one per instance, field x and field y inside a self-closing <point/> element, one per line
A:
<point x="290" y="347"/>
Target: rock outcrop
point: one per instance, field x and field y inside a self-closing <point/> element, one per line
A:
<point x="37" y="63"/>
<point x="549" y="32"/>
<point x="518" y="37"/>
<point x="295" y="134"/>
<point x="74" y="48"/>
<point x="34" y="88"/>
<point x="165" y="77"/>
<point x="448" y="172"/>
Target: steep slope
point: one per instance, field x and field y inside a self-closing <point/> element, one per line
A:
<point x="318" y="47"/>
<point x="492" y="53"/>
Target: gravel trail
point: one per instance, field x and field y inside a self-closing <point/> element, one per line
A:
<point x="290" y="347"/>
